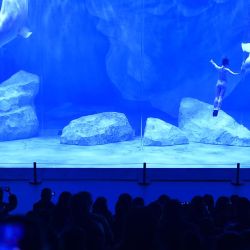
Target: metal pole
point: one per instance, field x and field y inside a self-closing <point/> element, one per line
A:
<point x="35" y="181"/>
<point x="238" y="174"/>
<point x="144" y="175"/>
<point x="237" y="178"/>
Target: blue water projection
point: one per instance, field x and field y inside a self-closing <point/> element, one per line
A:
<point x="155" y="51"/>
<point x="140" y="57"/>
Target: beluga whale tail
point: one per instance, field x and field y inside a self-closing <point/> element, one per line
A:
<point x="13" y="16"/>
<point x="246" y="63"/>
<point x="245" y="47"/>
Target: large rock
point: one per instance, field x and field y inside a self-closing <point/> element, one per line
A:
<point x="18" y="124"/>
<point x="102" y="128"/>
<point x="160" y="133"/>
<point x="196" y="120"/>
<point x="18" y="118"/>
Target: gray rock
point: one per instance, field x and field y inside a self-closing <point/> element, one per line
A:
<point x="18" y="124"/>
<point x="160" y="133"/>
<point x="102" y="128"/>
<point x="18" y="118"/>
<point x="196" y="120"/>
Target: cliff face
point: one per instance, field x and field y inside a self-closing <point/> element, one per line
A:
<point x="160" y="50"/>
<point x="151" y="50"/>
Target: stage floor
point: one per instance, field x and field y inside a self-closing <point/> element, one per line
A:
<point x="49" y="153"/>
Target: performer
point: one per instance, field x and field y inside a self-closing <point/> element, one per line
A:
<point x="221" y="83"/>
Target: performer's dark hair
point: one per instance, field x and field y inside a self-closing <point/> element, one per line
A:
<point x="225" y="61"/>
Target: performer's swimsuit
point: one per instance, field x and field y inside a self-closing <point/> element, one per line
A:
<point x="222" y="79"/>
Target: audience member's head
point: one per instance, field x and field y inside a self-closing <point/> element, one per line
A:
<point x="222" y="204"/>
<point x="138" y="202"/>
<point x="163" y="200"/>
<point x="81" y="204"/>
<point x="64" y="199"/>
<point x="198" y="207"/>
<point x="100" y="206"/>
<point x="123" y="204"/>
<point x="234" y="198"/>
<point x="12" y="202"/>
<point x="209" y="202"/>
<point x="172" y="212"/>
<point x="46" y="195"/>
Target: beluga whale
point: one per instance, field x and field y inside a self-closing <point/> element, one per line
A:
<point x="13" y="16"/>
<point x="246" y="63"/>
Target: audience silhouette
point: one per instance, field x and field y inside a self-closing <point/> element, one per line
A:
<point x="76" y="222"/>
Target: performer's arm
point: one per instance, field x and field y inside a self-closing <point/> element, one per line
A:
<point x="231" y="72"/>
<point x="214" y="64"/>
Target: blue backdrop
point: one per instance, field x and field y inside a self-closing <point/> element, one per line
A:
<point x="135" y="56"/>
